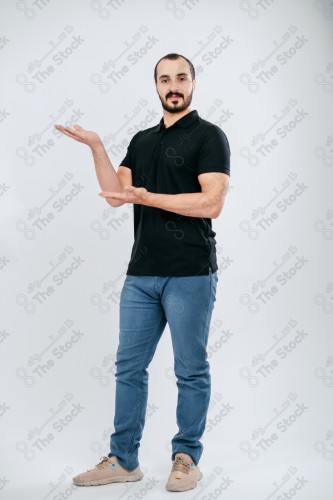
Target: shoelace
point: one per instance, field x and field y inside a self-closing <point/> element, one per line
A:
<point x="101" y="464"/>
<point x="180" y="465"/>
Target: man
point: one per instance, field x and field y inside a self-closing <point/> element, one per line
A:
<point x="176" y="176"/>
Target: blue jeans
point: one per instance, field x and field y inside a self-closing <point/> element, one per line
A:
<point x="147" y="303"/>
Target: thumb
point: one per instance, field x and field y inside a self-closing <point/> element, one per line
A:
<point x="77" y="127"/>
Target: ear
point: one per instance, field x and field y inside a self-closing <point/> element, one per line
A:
<point x="194" y="84"/>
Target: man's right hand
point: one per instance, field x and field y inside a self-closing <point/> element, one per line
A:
<point x="78" y="133"/>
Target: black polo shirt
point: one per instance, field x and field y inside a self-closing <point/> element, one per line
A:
<point x="168" y="161"/>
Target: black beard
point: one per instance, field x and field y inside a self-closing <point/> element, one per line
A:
<point x="176" y="108"/>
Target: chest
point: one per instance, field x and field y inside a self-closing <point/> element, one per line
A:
<point x="166" y="162"/>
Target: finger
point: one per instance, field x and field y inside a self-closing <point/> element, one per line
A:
<point x="77" y="127"/>
<point x="62" y="128"/>
<point x="68" y="131"/>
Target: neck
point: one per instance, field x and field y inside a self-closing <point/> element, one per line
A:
<point x="171" y="118"/>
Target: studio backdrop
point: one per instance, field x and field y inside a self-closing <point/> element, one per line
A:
<point x="264" y="72"/>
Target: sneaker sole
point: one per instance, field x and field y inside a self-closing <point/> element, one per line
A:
<point x="181" y="489"/>
<point x="119" y="479"/>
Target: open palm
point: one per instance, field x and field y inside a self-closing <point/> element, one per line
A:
<point x="78" y="133"/>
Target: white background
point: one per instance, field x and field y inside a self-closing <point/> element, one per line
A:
<point x="265" y="76"/>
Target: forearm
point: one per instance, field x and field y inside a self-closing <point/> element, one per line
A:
<point x="189" y="204"/>
<point x="106" y="174"/>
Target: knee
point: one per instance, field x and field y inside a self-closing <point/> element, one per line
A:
<point x="192" y="372"/>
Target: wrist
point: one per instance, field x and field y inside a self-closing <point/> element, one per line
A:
<point x="148" y="199"/>
<point x="97" y="147"/>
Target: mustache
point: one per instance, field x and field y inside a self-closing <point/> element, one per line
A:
<point x="174" y="94"/>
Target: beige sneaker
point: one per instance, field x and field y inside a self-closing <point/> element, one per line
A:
<point x="184" y="474"/>
<point x="108" y="470"/>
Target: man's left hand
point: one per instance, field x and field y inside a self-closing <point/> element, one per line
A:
<point x="130" y="194"/>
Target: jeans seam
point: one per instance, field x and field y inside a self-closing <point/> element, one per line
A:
<point x="209" y="306"/>
<point x="144" y="360"/>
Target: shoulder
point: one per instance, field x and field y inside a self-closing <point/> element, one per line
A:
<point x="211" y="128"/>
<point x="213" y="133"/>
<point x="142" y="134"/>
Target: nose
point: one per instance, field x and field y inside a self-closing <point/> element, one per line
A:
<point x="174" y="85"/>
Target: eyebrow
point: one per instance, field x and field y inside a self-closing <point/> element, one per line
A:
<point x="178" y="74"/>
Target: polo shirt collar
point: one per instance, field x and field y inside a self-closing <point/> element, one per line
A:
<point x="184" y="122"/>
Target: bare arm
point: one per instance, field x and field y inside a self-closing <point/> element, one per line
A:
<point x="107" y="177"/>
<point x="207" y="203"/>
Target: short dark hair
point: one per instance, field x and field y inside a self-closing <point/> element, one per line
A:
<point x="173" y="57"/>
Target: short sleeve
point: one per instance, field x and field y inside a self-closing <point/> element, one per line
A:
<point x="214" y="152"/>
<point x="129" y="157"/>
<point x="126" y="162"/>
